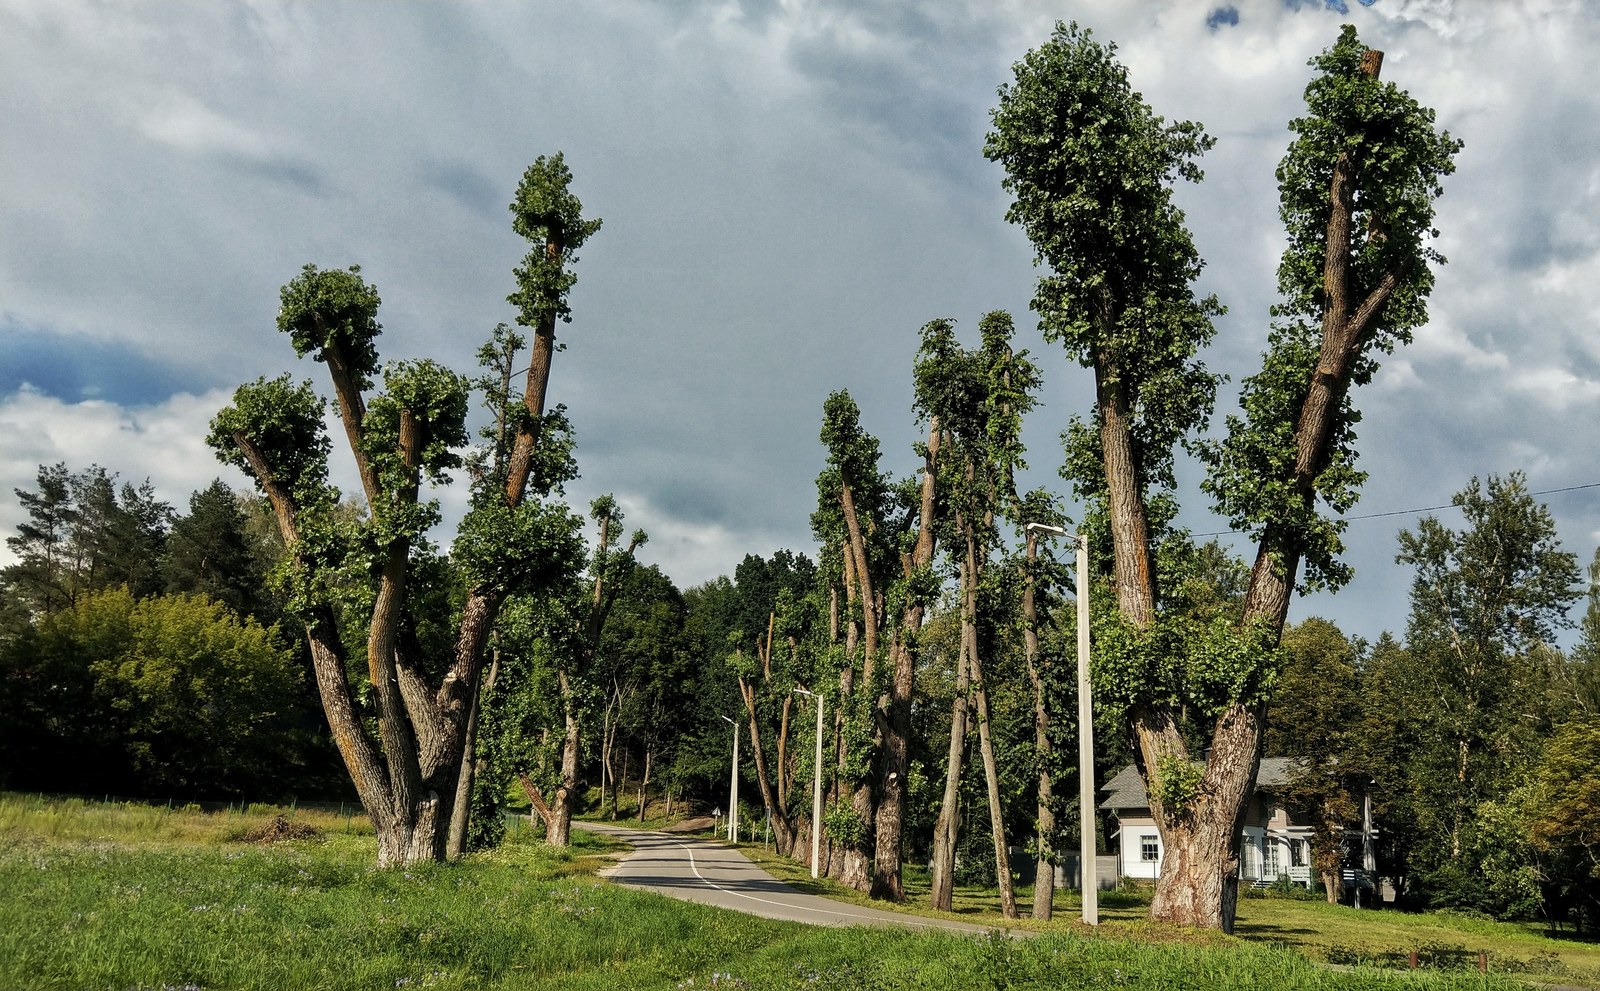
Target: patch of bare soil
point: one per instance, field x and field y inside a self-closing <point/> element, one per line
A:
<point x="281" y="827"/>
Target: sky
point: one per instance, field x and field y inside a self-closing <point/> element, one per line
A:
<point x="790" y="189"/>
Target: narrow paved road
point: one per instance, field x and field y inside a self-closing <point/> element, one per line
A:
<point x="703" y="871"/>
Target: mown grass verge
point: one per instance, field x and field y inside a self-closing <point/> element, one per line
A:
<point x="1330" y="934"/>
<point x="127" y="898"/>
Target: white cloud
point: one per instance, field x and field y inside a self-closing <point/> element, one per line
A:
<point x="164" y="443"/>
<point x="1556" y="388"/>
<point x="185" y="123"/>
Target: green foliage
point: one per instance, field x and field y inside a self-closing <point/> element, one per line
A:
<point x="192" y="699"/>
<point x="333" y="312"/>
<point x="551" y="217"/>
<point x="1399" y="160"/>
<point x="1459" y="714"/>
<point x="1091" y="167"/>
<point x="284" y="423"/>
<point x="1501" y="584"/>
<point x="1182" y="663"/>
<point x="1395" y="160"/>
<point x="843" y="825"/>
<point x="1175" y="783"/>
<point x="81" y="535"/>
<point x="211" y="551"/>
<point x="435" y="399"/>
<point x="852" y="456"/>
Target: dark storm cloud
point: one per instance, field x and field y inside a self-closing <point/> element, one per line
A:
<point x="301" y="176"/>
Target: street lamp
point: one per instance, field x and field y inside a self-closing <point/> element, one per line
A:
<point x="1086" y="869"/>
<point x="816" y="791"/>
<point x="733" y="786"/>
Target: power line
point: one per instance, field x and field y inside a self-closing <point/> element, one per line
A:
<point x="1413" y="512"/>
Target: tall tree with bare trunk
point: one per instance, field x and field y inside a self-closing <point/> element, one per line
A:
<point x="977" y="398"/>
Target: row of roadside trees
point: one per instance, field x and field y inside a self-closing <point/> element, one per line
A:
<point x="535" y="656"/>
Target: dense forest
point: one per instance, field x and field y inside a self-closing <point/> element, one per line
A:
<point x="297" y="642"/>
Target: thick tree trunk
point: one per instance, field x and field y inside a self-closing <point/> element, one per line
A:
<point x="857" y="871"/>
<point x="559" y="830"/>
<point x="413" y="836"/>
<point x="1199" y="882"/>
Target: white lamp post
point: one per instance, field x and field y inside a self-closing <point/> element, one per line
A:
<point x="733" y="786"/>
<point x="1086" y="850"/>
<point x="816" y="792"/>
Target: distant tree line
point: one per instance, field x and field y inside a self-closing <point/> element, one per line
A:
<point x="141" y="653"/>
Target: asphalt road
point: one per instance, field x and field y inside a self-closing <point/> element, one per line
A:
<point x="704" y="871"/>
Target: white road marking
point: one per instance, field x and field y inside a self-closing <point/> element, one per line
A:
<point x="695" y="866"/>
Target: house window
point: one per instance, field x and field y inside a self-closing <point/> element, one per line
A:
<point x="1149" y="849"/>
<point x="1297" y="853"/>
<point x="1273" y="869"/>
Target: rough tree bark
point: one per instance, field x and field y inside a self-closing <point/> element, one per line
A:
<point x="894" y="721"/>
<point x="1202" y="887"/>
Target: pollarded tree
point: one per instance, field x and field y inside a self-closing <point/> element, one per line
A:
<point x="1357" y="188"/>
<point x="1091" y="166"/>
<point x="406" y="773"/>
<point x="852" y="521"/>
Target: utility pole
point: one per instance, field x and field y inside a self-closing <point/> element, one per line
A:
<point x="733" y="786"/>
<point x="1090" y="879"/>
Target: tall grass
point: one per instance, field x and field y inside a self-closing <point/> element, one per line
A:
<point x="124" y="899"/>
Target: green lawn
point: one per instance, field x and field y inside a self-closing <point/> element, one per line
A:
<point x="1322" y="932"/>
<point x="125" y="898"/>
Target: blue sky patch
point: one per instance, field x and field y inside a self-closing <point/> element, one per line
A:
<point x="73" y="369"/>
<point x="1223" y="16"/>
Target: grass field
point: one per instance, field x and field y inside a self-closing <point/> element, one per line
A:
<point x="127" y="898"/>
<point x="1326" y="933"/>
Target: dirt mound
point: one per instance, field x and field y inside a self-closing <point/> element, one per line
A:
<point x="281" y="828"/>
<point x="690" y="825"/>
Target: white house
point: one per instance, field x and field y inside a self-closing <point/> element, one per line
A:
<point x="1274" y="843"/>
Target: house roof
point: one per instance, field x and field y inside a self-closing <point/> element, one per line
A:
<point x="1125" y="790"/>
